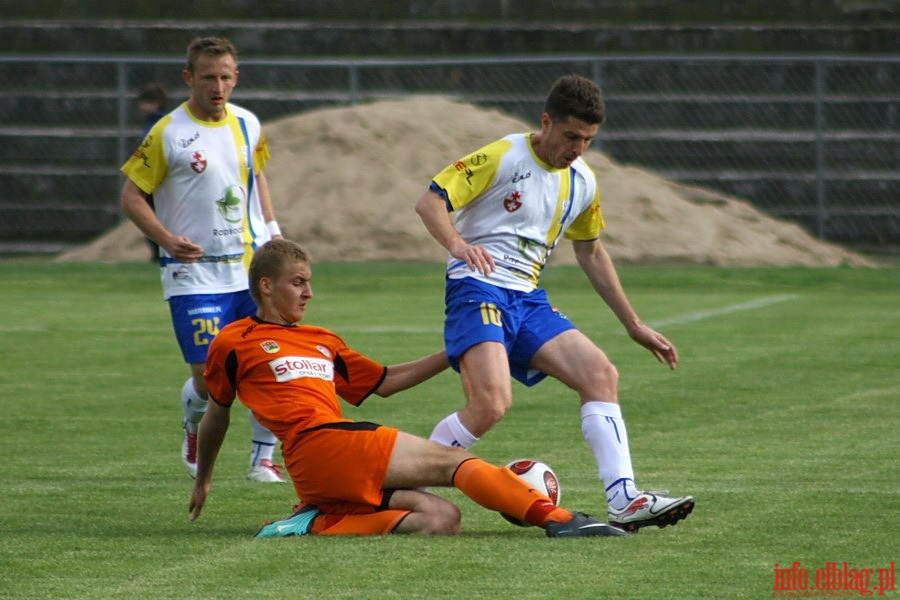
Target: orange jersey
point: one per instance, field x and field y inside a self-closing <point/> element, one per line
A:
<point x="290" y="376"/>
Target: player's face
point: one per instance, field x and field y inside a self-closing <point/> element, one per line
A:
<point x="289" y="294"/>
<point x="562" y="142"/>
<point x="211" y="83"/>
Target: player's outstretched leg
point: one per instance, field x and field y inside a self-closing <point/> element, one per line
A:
<point x="498" y="488"/>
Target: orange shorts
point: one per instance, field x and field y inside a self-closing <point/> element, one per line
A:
<point x="340" y="467"/>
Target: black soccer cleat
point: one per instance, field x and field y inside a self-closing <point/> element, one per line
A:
<point x="582" y="525"/>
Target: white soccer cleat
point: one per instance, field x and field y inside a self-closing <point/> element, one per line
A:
<point x="265" y="472"/>
<point x="189" y="453"/>
<point x="651" y="509"/>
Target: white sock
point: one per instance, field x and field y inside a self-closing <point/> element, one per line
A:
<point x="262" y="442"/>
<point x="604" y="430"/>
<point x="451" y="432"/>
<point x="193" y="405"/>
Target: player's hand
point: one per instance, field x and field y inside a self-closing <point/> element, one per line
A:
<point x="655" y="342"/>
<point x="181" y="248"/>
<point x="476" y="257"/>
<point x="198" y="499"/>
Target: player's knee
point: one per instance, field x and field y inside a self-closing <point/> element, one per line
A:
<point x="444" y="520"/>
<point x="486" y="413"/>
<point x="608" y="373"/>
<point x="199" y="383"/>
<point x="601" y="381"/>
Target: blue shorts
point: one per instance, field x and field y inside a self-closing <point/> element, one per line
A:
<point x="522" y="321"/>
<point x="197" y="318"/>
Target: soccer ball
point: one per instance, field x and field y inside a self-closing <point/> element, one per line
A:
<point x="539" y="476"/>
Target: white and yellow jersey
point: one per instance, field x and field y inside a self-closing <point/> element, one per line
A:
<point x="199" y="173"/>
<point x="517" y="206"/>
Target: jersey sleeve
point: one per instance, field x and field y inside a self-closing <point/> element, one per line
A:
<point x="467" y="178"/>
<point x="356" y="376"/>
<point x="261" y="153"/>
<point x="147" y="166"/>
<point x="589" y="223"/>
<point x="221" y="368"/>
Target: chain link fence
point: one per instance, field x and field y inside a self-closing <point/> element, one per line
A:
<point x="815" y="139"/>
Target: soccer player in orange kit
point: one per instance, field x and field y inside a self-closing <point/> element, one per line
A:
<point x="353" y="478"/>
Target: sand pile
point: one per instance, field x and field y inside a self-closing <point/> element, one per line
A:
<point x="344" y="182"/>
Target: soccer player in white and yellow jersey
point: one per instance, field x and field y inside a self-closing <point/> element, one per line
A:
<point x="513" y="200"/>
<point x="203" y="163"/>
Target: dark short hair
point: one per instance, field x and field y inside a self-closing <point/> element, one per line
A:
<point x="270" y="259"/>
<point x="153" y="92"/>
<point x="575" y="96"/>
<point x="209" y="46"/>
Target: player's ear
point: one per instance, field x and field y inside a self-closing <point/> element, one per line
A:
<point x="546" y="122"/>
<point x="265" y="286"/>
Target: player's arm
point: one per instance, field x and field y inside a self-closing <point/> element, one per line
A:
<point x="265" y="200"/>
<point x="594" y="260"/>
<point x="134" y="204"/>
<point x="432" y="209"/>
<point x="210" y="436"/>
<point x="406" y="375"/>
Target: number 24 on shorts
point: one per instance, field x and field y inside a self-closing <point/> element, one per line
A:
<point x="206" y="330"/>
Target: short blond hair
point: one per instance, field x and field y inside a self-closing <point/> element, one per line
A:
<point x="270" y="260"/>
<point x="209" y="46"/>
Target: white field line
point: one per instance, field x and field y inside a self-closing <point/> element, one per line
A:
<point x="686" y="318"/>
<point x="85" y="328"/>
<point x="725" y="310"/>
<point x="380" y="329"/>
<point x="892" y="392"/>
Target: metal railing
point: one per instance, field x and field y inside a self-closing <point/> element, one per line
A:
<point x="812" y="138"/>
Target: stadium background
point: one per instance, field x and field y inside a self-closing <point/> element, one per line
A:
<point x="794" y="106"/>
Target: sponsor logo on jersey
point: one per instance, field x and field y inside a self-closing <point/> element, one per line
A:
<point x="230" y="204"/>
<point x="187" y="142"/>
<point x="141" y="153"/>
<point x="198" y="161"/>
<point x="517" y="177"/>
<point x="227" y="231"/>
<point x="270" y="346"/>
<point x="288" y="368"/>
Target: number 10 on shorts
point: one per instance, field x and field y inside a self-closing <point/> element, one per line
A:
<point x="490" y="314"/>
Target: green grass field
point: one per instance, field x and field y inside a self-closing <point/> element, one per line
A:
<point x="782" y="421"/>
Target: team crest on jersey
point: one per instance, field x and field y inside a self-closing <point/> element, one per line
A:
<point x="512" y="203"/>
<point x="270" y="346"/>
<point x="325" y="351"/>
<point x="198" y="161"/>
